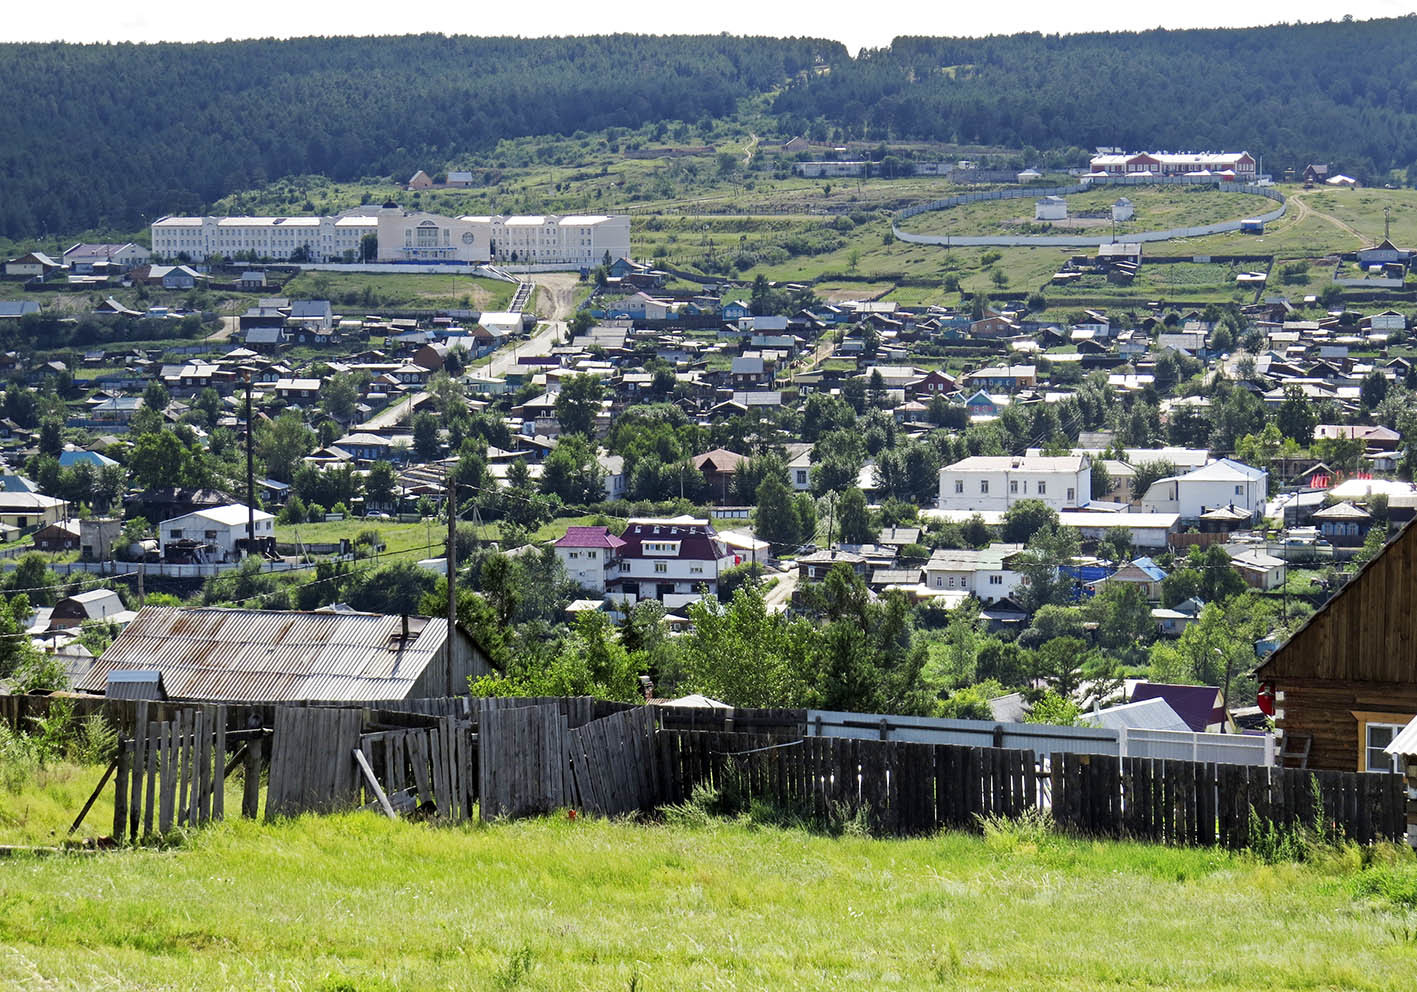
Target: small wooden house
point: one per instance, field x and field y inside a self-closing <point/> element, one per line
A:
<point x="1344" y="683"/>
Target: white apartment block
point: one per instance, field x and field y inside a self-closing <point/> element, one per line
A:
<point x="572" y="242"/>
<point x="988" y="482"/>
<point x="324" y="239"/>
<point x="1222" y="483"/>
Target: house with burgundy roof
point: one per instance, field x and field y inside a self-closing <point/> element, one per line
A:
<point x="591" y="557"/>
<point x="675" y="560"/>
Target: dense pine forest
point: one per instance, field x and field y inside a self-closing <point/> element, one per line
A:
<point x="1338" y="91"/>
<point x="117" y="134"/>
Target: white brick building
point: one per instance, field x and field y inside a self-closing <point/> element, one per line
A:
<point x="988" y="482"/>
<point x="572" y="242"/>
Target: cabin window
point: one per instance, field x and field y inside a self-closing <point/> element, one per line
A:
<point x="984" y="487"/>
<point x="1042" y="488"/>
<point x="1072" y="495"/>
<point x="959" y="486"/>
<point x="1377" y="736"/>
<point x="1239" y="490"/>
<point x="661" y="567"/>
<point x="1013" y="485"/>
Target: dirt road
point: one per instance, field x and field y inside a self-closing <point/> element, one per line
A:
<point x="1302" y="210"/>
<point x="559" y="289"/>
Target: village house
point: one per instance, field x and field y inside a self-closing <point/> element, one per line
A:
<point x="590" y="556"/>
<point x="674" y="560"/>
<point x="995" y="482"/>
<point x="275" y="655"/>
<point x="1343" y="685"/>
<point x="1221" y="483"/>
<point x="28" y="511"/>
<point x="985" y="573"/>
<point x="218" y="534"/>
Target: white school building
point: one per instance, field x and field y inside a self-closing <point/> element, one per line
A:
<point x="574" y="241"/>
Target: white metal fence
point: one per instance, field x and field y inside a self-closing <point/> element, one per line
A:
<point x="1066" y="240"/>
<point x="1044" y="739"/>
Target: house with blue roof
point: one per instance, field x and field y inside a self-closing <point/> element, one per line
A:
<point x="72" y="457"/>
<point x="1141" y="572"/>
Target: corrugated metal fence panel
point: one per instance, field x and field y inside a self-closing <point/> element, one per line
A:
<point x="1039" y="738"/>
<point x="1226" y="749"/>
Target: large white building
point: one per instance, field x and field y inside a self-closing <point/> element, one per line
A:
<point x="1240" y="166"/>
<point x="1222" y="483"/>
<point x="989" y="482"/>
<point x="318" y="239"/>
<point x="572" y="242"/>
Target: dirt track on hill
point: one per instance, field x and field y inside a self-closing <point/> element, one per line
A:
<point x="559" y="289"/>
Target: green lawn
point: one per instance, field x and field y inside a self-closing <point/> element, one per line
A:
<point x="358" y="902"/>
<point x="398" y="538"/>
<point x="396" y="289"/>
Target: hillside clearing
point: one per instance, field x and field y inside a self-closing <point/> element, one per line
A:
<point x="357" y="902"/>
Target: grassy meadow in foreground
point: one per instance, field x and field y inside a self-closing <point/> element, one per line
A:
<point x="357" y="902"/>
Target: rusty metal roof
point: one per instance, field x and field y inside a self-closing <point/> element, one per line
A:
<point x="267" y="655"/>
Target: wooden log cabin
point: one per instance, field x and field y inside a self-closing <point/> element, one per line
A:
<point x="1345" y="683"/>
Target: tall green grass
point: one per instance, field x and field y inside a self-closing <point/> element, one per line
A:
<point x="357" y="902"/>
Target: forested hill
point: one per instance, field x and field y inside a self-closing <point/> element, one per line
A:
<point x="116" y="134"/>
<point x="1343" y="92"/>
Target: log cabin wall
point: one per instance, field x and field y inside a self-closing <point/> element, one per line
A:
<point x="1325" y="711"/>
<point x="1356" y="654"/>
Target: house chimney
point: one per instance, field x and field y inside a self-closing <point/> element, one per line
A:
<point x="404" y="639"/>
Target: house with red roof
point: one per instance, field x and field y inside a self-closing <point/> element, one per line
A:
<point x="675" y="560"/>
<point x="591" y="557"/>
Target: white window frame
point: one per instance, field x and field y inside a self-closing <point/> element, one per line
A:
<point x="1369" y="747"/>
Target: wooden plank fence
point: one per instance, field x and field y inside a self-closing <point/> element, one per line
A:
<point x="615" y="762"/>
<point x="312" y="761"/>
<point x="172" y="773"/>
<point x="524" y="760"/>
<point x="519" y="757"/>
<point x="434" y="767"/>
<point x="1204" y="803"/>
<point x="901" y="787"/>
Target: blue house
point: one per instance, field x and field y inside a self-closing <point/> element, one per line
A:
<point x="735" y="310"/>
<point x="981" y="404"/>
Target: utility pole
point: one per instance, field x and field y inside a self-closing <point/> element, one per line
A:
<point x="452" y="562"/>
<point x="250" y="475"/>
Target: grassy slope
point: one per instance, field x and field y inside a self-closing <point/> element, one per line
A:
<point x="356" y="902"/>
<point x="1157" y="209"/>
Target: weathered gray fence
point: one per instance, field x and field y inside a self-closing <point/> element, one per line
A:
<point x="172" y="773"/>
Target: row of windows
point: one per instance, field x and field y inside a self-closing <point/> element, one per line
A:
<point x="1041" y="488"/>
